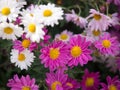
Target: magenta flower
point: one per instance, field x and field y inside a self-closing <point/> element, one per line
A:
<point x="55" y="55"/>
<point x="108" y="45"/>
<point x="116" y="2"/>
<point x="56" y="81"/>
<point x="112" y="83"/>
<point x="78" y="51"/>
<point x="23" y="83"/>
<point x="46" y="38"/>
<point x="18" y="21"/>
<point x="90" y="80"/>
<point x="72" y="84"/>
<point x="25" y="43"/>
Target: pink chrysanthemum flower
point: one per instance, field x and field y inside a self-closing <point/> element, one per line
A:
<point x="116" y="2"/>
<point x="23" y="83"/>
<point x="25" y="43"/>
<point x="56" y="81"/>
<point x="115" y="19"/>
<point x="78" y="20"/>
<point x="99" y="21"/>
<point x="108" y="45"/>
<point x="90" y="81"/>
<point x="112" y="83"/>
<point x="17" y="21"/>
<point x="46" y="38"/>
<point x="72" y="84"/>
<point x="78" y="51"/>
<point x="93" y="35"/>
<point x="55" y="55"/>
<point x="64" y="36"/>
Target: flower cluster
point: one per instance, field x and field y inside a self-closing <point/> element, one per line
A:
<point x="28" y="29"/>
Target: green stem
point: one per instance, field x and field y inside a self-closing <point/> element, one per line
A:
<point x="39" y="1"/>
<point x="76" y="6"/>
<point x="97" y="7"/>
<point x="107" y="9"/>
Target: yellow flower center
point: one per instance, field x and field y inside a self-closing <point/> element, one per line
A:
<point x="69" y="84"/>
<point x="96" y="32"/>
<point x="47" y="13"/>
<point x="97" y="17"/>
<point x="63" y="36"/>
<point x="21" y="57"/>
<point x="8" y="30"/>
<point x="112" y="87"/>
<point x="5" y="11"/>
<point x="26" y="43"/>
<point x="76" y="51"/>
<point x="106" y="43"/>
<point x="32" y="27"/>
<point x="26" y="88"/>
<point x="31" y="15"/>
<point x="89" y="82"/>
<point x="54" y="53"/>
<point x="54" y="84"/>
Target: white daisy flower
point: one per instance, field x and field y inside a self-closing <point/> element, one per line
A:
<point x="30" y="12"/>
<point x="33" y="30"/>
<point x="22" y="59"/>
<point x="49" y="14"/>
<point x="21" y="3"/>
<point x="10" y="31"/>
<point x="9" y="9"/>
<point x="64" y="36"/>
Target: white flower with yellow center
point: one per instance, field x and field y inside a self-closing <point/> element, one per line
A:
<point x="22" y="59"/>
<point x="33" y="30"/>
<point x="21" y="3"/>
<point x="9" y="9"/>
<point x="10" y="31"/>
<point x="49" y="14"/>
<point x="64" y="36"/>
<point x="30" y="12"/>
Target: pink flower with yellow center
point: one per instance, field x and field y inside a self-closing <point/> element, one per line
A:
<point x="72" y="84"/>
<point x="56" y="81"/>
<point x="78" y="20"/>
<point x="112" y="83"/>
<point x="23" y="83"/>
<point x="108" y="45"/>
<point x="78" y="51"/>
<point x="90" y="80"/>
<point x="25" y="43"/>
<point x="99" y="21"/>
<point x="55" y="55"/>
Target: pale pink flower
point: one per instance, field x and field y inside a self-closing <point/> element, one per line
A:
<point x="99" y="21"/>
<point x="78" y="20"/>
